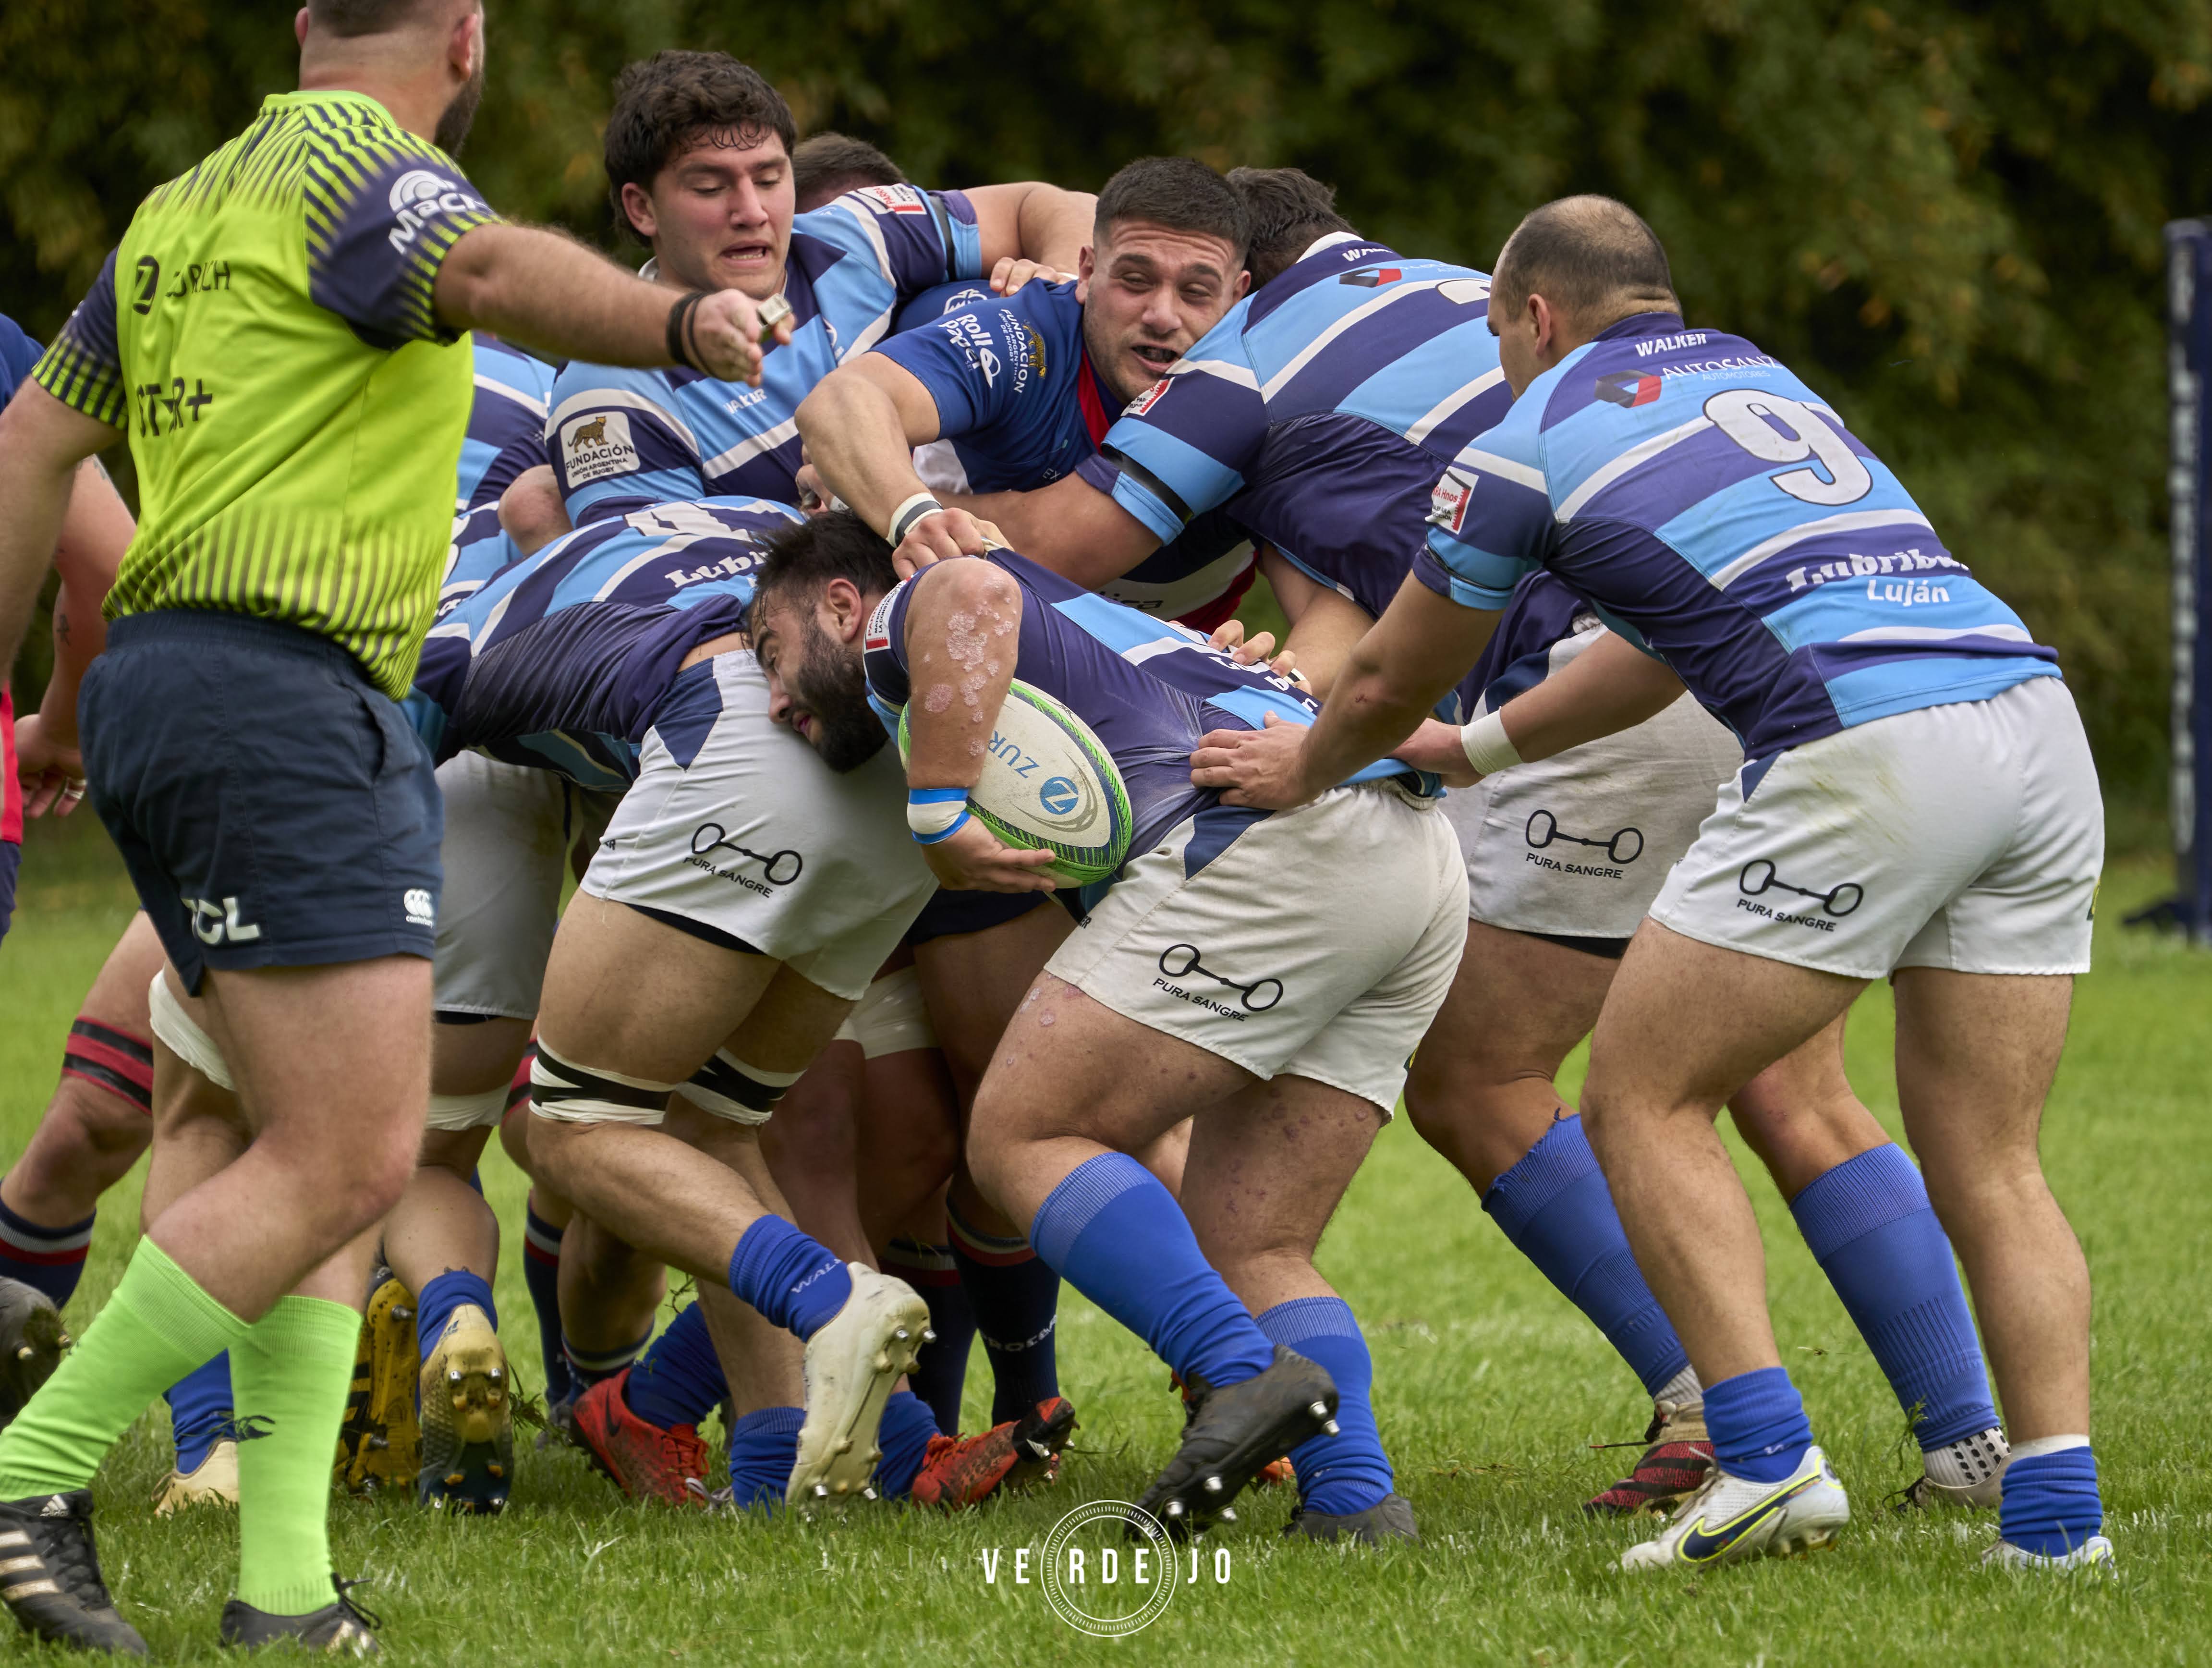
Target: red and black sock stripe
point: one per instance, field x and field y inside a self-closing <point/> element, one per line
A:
<point x="109" y="1058"/>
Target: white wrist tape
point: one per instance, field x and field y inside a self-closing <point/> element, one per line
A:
<point x="1488" y="748"/>
<point x="931" y="813"/>
<point x="912" y="510"/>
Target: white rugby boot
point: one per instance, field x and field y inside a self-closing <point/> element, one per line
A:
<point x="851" y="1366"/>
<point x="1968" y="1474"/>
<point x="1731" y="1518"/>
<point x="2094" y="1554"/>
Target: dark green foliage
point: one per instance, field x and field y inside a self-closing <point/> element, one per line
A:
<point x="1945" y="216"/>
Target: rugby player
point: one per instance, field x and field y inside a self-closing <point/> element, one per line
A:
<point x="1019" y="390"/>
<point x="615" y="650"/>
<point x="293" y="387"/>
<point x="1563" y="859"/>
<point x="1919" y="802"/>
<point x="1288" y="1073"/>
<point x="699" y="167"/>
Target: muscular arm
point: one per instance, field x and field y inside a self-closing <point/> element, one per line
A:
<point x="1032" y="221"/>
<point x="1612" y="685"/>
<point x="860" y="426"/>
<point x="42" y="444"/>
<point x="1324" y="623"/>
<point x="1069" y="527"/>
<point x="544" y="291"/>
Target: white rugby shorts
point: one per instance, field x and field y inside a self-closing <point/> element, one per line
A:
<point x="509" y="830"/>
<point x="1319" y="942"/>
<point x="1967" y="837"/>
<point x="736" y="826"/>
<point x="1578" y="845"/>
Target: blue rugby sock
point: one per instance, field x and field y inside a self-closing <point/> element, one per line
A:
<point x="763" y="1448"/>
<point x="51" y="1260"/>
<point x="1555" y="1207"/>
<point x="200" y="1411"/>
<point x="1014" y="1296"/>
<point x="941" y="1376"/>
<point x="679" y="1380"/>
<point x="1348" y="1472"/>
<point x="795" y="1281"/>
<point x="541" y="1273"/>
<point x="1119" y="1238"/>
<point x="1870" y="1224"/>
<point x="904" y="1438"/>
<point x="435" y="1303"/>
<point x="2051" y="1499"/>
<point x="1757" y="1423"/>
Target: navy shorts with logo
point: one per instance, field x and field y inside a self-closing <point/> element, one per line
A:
<point x="274" y="808"/>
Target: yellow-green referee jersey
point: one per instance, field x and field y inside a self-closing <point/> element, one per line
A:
<point x="266" y="337"/>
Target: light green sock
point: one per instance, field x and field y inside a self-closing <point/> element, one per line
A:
<point x="157" y="1326"/>
<point x="289" y="1378"/>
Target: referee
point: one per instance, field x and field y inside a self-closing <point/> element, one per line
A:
<point x="280" y="336"/>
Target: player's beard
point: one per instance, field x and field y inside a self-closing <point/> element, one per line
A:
<point x="453" y="130"/>
<point x="833" y="685"/>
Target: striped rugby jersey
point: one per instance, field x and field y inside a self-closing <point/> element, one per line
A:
<point x="1711" y="504"/>
<point x="266" y="333"/>
<point x="624" y="438"/>
<point x="1320" y="411"/>
<point x="561" y="661"/>
<point x="506" y="420"/>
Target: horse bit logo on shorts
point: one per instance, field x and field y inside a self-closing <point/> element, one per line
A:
<point x="778" y="868"/>
<point x="1625" y="847"/>
<point x="1758" y="876"/>
<point x="1180" y="961"/>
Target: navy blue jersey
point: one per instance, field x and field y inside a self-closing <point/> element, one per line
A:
<point x="1149" y="688"/>
<point x="1320" y="411"/>
<point x="624" y="438"/>
<point x="561" y="660"/>
<point x="1019" y="406"/>
<point x="940" y="299"/>
<point x="1545" y="611"/>
<point x="506" y="420"/>
<point x="1714" y="507"/>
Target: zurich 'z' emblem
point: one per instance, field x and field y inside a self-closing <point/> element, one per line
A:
<point x="1059" y="795"/>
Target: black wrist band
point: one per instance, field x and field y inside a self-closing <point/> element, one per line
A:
<point x="678" y="337"/>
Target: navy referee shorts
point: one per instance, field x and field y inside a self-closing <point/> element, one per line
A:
<point x="274" y="808"/>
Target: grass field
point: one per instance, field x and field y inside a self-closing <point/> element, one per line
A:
<point x="1490" y="1390"/>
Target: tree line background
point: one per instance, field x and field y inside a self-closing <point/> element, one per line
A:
<point x="1945" y="216"/>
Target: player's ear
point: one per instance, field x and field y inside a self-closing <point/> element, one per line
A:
<point x="300" y="26"/>
<point x="1086" y="262"/>
<point x="465" y="47"/>
<point x="1242" y="288"/>
<point x="637" y="208"/>
<point x="841" y="598"/>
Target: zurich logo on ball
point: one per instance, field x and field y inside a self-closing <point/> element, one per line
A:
<point x="1059" y="795"/>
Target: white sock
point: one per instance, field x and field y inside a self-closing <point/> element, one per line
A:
<point x="1684" y="1391"/>
<point x="1970" y="1460"/>
<point x="2048" y="1445"/>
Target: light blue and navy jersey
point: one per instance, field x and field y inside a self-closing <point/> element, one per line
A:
<point x="624" y="438"/>
<point x="1149" y="689"/>
<point x="561" y="660"/>
<point x="1019" y="406"/>
<point x="1711" y="504"/>
<point x="506" y="420"/>
<point x="1320" y="411"/>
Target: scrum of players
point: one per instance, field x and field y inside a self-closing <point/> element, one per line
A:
<point x="1728" y="734"/>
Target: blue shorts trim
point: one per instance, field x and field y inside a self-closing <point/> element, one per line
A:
<point x="274" y="807"/>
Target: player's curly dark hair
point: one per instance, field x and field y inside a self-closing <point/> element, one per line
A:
<point x="803" y="558"/>
<point x="671" y="100"/>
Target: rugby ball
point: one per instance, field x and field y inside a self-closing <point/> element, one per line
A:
<point x="1048" y="784"/>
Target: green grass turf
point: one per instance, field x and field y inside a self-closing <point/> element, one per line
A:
<point x="1489" y="1389"/>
